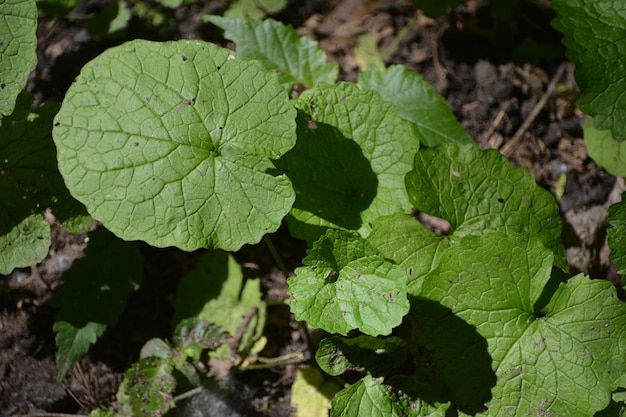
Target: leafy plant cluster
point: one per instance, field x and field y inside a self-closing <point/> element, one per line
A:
<point x="191" y="145"/>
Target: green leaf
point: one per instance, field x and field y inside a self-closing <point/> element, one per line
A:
<point x="197" y="333"/>
<point x="147" y="388"/>
<point x="418" y="102"/>
<point x="254" y="9"/>
<point x="214" y="291"/>
<point x="349" y="164"/>
<point x="170" y="143"/>
<point x="73" y="342"/>
<point x="94" y="295"/>
<point x="112" y="21"/>
<point x="370" y="398"/>
<point x="18" y="26"/>
<point x="404" y="239"/>
<point x="30" y="183"/>
<point x="297" y="59"/>
<point x="479" y="192"/>
<point x="617" y="234"/>
<point x="562" y="359"/>
<point x="24" y="245"/>
<point x="345" y="284"/>
<point x="366" y="53"/>
<point x="605" y="150"/>
<point x="311" y="394"/>
<point x="594" y="32"/>
<point x="373" y="355"/>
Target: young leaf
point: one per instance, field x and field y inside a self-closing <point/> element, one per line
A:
<point x="279" y="48"/>
<point x="417" y="101"/>
<point x="170" y="143"/>
<point x="617" y="234"/>
<point x="18" y="26"/>
<point x="562" y="359"/>
<point x="349" y="164"/>
<point x="147" y="388"/>
<point x="373" y="355"/>
<point x="94" y="295"/>
<point x="479" y="192"/>
<point x="345" y="284"/>
<point x="594" y="32"/>
<point x="605" y="150"/>
<point x="25" y="244"/>
<point x="370" y="398"/>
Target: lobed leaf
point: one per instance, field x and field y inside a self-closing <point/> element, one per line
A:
<point x="18" y="26"/>
<point x="345" y="284"/>
<point x="594" y="32"/>
<point x="417" y="101"/>
<point x="479" y="192"/>
<point x="563" y="357"/>
<point x="170" y="143"/>
<point x="94" y="295"/>
<point x="297" y="59"/>
<point x="349" y="164"/>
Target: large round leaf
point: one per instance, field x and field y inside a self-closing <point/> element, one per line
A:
<point x="170" y="143"/>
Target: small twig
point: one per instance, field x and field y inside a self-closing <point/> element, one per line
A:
<point x="510" y="146"/>
<point x="498" y="119"/>
<point x="393" y="46"/>
<point x="55" y="415"/>
<point x="289" y="359"/>
<point x="190" y="393"/>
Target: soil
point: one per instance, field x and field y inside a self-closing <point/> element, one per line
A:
<point x="508" y="83"/>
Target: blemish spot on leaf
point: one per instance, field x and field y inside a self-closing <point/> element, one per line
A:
<point x="501" y="200"/>
<point x="184" y="58"/>
<point x="456" y="173"/>
<point x="312" y="124"/>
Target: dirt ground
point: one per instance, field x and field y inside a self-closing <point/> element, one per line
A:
<point x="508" y="83"/>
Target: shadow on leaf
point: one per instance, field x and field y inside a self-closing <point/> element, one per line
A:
<point x="332" y="178"/>
<point x="450" y="357"/>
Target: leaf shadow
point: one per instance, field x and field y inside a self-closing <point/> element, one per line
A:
<point x="332" y="178"/>
<point x="451" y="359"/>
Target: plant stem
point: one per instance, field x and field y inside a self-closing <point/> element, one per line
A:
<point x="393" y="46"/>
<point x="276" y="255"/>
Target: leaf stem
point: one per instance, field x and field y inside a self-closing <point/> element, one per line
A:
<point x="276" y="256"/>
